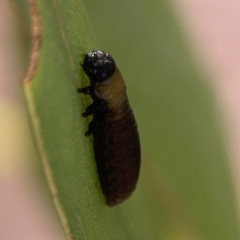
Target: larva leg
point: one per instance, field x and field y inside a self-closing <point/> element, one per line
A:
<point x="85" y="90"/>
<point x="92" y="125"/>
<point x="90" y="110"/>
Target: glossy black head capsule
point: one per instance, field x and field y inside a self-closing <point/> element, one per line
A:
<point x="99" y="66"/>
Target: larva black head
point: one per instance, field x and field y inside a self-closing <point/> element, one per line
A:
<point x="98" y="65"/>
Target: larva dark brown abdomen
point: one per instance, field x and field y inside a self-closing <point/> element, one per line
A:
<point x="114" y="129"/>
<point x="118" y="157"/>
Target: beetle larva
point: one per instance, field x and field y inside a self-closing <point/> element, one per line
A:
<point x="115" y="135"/>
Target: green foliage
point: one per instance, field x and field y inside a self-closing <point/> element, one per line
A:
<point x="55" y="110"/>
<point x="185" y="191"/>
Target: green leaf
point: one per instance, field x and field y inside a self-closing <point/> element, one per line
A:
<point x="59" y="39"/>
<point x="185" y="189"/>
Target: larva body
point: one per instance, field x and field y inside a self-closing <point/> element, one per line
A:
<point x="115" y="135"/>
